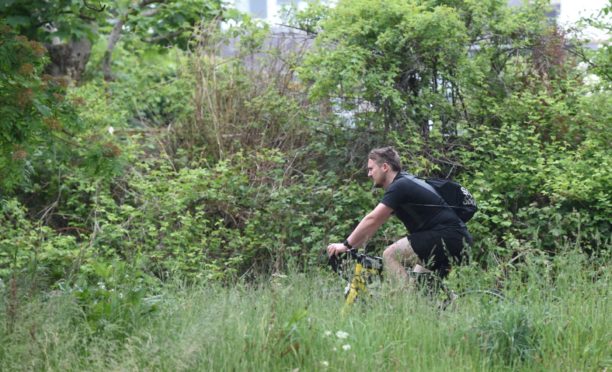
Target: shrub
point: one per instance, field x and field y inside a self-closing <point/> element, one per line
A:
<point x="33" y="107"/>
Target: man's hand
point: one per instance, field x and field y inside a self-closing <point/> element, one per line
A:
<point x="336" y="248"/>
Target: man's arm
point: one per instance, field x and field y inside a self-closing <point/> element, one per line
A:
<point x="364" y="230"/>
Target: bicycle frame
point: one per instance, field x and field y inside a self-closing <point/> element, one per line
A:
<point x="367" y="268"/>
<point x="370" y="268"/>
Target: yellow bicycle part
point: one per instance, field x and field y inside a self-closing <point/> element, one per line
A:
<point x="358" y="285"/>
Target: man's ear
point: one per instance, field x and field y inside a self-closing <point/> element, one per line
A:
<point x="385" y="167"/>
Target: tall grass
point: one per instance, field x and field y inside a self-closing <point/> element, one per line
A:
<point x="555" y="317"/>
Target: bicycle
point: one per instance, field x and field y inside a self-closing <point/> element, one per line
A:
<point x="367" y="270"/>
<point x="367" y="273"/>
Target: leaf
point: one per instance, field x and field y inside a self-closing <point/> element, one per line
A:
<point x="6" y="3"/>
<point x="42" y="109"/>
<point x="18" y="21"/>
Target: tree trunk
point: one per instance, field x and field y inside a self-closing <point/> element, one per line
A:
<point x="69" y="59"/>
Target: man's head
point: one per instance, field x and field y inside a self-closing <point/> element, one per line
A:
<point x="383" y="164"/>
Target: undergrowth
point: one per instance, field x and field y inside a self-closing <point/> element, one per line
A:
<point x="554" y="317"/>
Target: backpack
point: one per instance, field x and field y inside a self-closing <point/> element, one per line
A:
<point x="456" y="196"/>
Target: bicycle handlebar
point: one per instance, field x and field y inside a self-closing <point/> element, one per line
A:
<point x="369" y="262"/>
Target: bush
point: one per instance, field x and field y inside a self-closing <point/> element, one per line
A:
<point x="220" y="221"/>
<point x="34" y="250"/>
<point x="33" y="107"/>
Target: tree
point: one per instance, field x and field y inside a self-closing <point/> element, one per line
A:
<point x="32" y="106"/>
<point x="389" y="58"/>
<point x="66" y="27"/>
<point x="161" y="22"/>
<point x="410" y="67"/>
<point x="69" y="27"/>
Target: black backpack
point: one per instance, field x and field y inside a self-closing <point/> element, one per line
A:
<point x="456" y="196"/>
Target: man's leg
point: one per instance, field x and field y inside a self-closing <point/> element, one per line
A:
<point x="397" y="256"/>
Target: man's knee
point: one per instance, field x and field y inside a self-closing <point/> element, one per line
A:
<point x="390" y="253"/>
<point x="400" y="251"/>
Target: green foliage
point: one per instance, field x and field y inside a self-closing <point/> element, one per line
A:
<point x="170" y="22"/>
<point x="508" y="334"/>
<point x="115" y="296"/>
<point x="248" y="100"/>
<point x="32" y="250"/>
<point x="389" y="59"/>
<point x="42" y="20"/>
<point x="148" y="92"/>
<point x="308" y="19"/>
<point x="157" y="22"/>
<point x="540" y="176"/>
<point x="599" y="61"/>
<point x="216" y="222"/>
<point x="33" y="107"/>
<point x="18" y="235"/>
<point x="211" y="166"/>
<point x="555" y="317"/>
<point x="202" y="167"/>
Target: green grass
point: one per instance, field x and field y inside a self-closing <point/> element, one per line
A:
<point x="556" y="317"/>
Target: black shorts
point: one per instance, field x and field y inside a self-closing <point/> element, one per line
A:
<point x="441" y="247"/>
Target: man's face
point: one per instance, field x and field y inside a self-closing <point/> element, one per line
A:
<point x="377" y="172"/>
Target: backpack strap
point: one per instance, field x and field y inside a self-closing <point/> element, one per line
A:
<point x="431" y="189"/>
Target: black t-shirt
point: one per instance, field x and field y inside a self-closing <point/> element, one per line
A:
<point x="403" y="195"/>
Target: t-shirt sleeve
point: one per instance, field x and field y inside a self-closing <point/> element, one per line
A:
<point x="392" y="197"/>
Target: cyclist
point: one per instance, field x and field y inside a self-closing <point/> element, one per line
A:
<point x="437" y="234"/>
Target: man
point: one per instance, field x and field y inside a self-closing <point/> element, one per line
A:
<point x="437" y="234"/>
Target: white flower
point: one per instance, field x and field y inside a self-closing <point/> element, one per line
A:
<point x="325" y="363"/>
<point x="341" y="335"/>
<point x="346" y="347"/>
<point x="111" y="130"/>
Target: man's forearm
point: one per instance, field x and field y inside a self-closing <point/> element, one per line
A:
<point x="365" y="230"/>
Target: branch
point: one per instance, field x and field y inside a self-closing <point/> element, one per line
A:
<point x="86" y="18"/>
<point x="150" y="12"/>
<point x="115" y="34"/>
<point x="112" y="41"/>
<point x="144" y="3"/>
<point x="101" y="8"/>
<point x="308" y="32"/>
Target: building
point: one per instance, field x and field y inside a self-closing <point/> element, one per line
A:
<point x="269" y="10"/>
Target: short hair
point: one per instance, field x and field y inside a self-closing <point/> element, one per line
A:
<point x="386" y="155"/>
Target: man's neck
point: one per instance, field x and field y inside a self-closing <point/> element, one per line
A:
<point x="390" y="177"/>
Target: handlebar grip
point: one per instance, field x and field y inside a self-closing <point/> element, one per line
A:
<point x="335" y="260"/>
